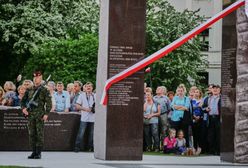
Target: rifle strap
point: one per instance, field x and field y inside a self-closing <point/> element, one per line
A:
<point x="37" y="94"/>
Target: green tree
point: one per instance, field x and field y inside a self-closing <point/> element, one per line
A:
<point x="25" y="24"/>
<point x="66" y="60"/>
<point x="164" y="25"/>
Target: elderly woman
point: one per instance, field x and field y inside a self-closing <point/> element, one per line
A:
<point x="10" y="93"/>
<point x="181" y="106"/>
<point x="70" y="90"/>
<point x="28" y="84"/>
<point x="51" y="87"/>
<point x="17" y="99"/>
<point x="151" y="114"/>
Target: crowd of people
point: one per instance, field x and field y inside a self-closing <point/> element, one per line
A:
<point x="181" y="123"/>
<point x="185" y="123"/>
<point x="62" y="100"/>
<point x="76" y="98"/>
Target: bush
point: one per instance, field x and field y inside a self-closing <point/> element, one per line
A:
<point x="66" y="60"/>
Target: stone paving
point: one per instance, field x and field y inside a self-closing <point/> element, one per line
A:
<point x="87" y="160"/>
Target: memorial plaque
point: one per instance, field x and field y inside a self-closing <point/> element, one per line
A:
<point x="59" y="133"/>
<point x="228" y="84"/>
<point x="121" y="121"/>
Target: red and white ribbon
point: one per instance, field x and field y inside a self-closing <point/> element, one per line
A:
<point x="169" y="48"/>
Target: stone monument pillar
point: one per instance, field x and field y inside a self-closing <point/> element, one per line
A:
<point x="118" y="133"/>
<point x="234" y="128"/>
<point x="241" y="116"/>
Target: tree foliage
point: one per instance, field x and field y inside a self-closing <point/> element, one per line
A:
<point x="26" y="24"/>
<point x="29" y="22"/>
<point x="165" y="25"/>
<point x="66" y="60"/>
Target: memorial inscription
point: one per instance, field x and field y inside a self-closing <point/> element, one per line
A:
<point x="13" y="121"/>
<point x="120" y="58"/>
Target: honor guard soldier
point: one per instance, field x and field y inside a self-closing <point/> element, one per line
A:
<point x="36" y="104"/>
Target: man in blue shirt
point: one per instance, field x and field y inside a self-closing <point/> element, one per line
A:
<point x="213" y="109"/>
<point x="62" y="98"/>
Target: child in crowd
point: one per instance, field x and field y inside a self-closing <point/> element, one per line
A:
<point x="181" y="143"/>
<point x="170" y="142"/>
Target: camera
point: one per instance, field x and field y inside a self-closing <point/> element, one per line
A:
<point x="93" y="108"/>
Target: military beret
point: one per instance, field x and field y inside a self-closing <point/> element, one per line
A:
<point x="37" y="73"/>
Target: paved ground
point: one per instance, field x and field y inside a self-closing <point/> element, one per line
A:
<point x="86" y="160"/>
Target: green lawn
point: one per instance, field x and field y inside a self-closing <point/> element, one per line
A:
<point x="12" y="167"/>
<point x="157" y="154"/>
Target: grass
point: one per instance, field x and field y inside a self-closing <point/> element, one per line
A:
<point x="157" y="154"/>
<point x="11" y="167"/>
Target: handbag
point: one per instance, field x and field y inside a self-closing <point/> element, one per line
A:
<point x="187" y="117"/>
<point x="146" y="121"/>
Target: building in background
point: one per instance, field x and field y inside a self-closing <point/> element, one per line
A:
<point x="211" y="36"/>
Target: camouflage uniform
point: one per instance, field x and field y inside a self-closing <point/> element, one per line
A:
<point x="35" y="121"/>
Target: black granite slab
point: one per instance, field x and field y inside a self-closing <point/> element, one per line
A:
<point x="59" y="133"/>
<point x="228" y="84"/>
<point x="124" y="139"/>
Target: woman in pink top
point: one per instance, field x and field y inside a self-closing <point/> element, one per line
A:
<point x="170" y="142"/>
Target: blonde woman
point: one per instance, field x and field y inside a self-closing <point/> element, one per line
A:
<point x="197" y="120"/>
<point x="10" y="93"/>
<point x="180" y="105"/>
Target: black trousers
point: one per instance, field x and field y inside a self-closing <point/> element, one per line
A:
<point x="214" y="135"/>
<point x="185" y="128"/>
<point x="197" y="134"/>
<point x="204" y="136"/>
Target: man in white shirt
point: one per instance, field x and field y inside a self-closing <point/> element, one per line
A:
<point x="85" y="103"/>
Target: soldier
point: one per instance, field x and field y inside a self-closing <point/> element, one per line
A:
<point x="36" y="114"/>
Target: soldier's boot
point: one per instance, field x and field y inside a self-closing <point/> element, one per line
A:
<point x="38" y="153"/>
<point x="33" y="154"/>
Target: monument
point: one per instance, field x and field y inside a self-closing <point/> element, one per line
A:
<point x="234" y="125"/>
<point x="119" y="125"/>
